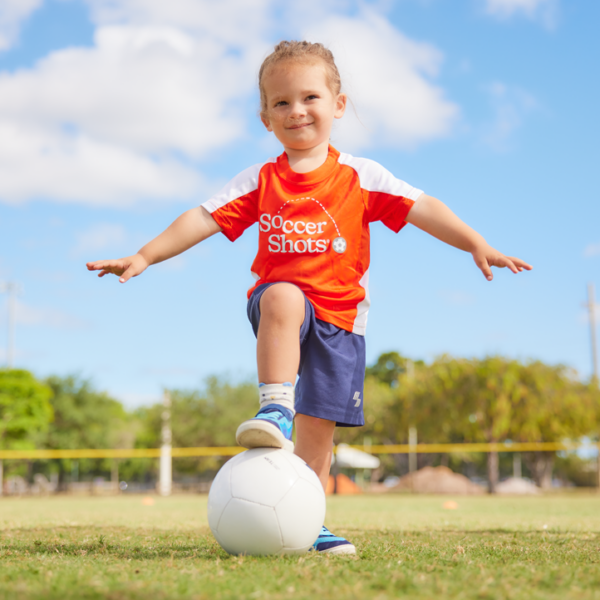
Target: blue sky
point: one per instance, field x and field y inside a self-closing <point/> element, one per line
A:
<point x="118" y="115"/>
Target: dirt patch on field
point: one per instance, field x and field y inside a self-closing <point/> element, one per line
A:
<point x="437" y="480"/>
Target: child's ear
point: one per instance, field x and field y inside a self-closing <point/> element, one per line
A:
<point x="340" y="106"/>
<point x="266" y="122"/>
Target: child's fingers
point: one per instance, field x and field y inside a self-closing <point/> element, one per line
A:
<point x="482" y="263"/>
<point x="505" y="261"/>
<point x="124" y="268"/>
<point x="521" y="264"/>
<point x="107" y="265"/>
<point x="128" y="274"/>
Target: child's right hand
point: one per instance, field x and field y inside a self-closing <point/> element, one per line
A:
<point x="125" y="268"/>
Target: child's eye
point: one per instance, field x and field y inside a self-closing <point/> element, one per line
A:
<point x="312" y="97"/>
<point x="280" y="103"/>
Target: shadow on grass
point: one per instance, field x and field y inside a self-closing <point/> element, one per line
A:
<point x="152" y="544"/>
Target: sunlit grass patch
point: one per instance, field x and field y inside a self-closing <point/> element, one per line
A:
<point x="118" y="548"/>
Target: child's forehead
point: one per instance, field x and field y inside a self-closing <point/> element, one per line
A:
<point x="293" y="71"/>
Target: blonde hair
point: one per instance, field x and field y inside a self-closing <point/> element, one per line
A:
<point x="301" y="52"/>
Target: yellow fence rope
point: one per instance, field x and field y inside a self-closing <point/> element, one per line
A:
<point x="232" y="450"/>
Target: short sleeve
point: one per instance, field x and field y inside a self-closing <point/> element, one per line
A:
<point x="387" y="198"/>
<point x="235" y="207"/>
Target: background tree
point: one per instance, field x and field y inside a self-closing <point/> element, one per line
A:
<point x="206" y="417"/>
<point x="479" y="400"/>
<point x="555" y="406"/>
<point x="390" y="367"/>
<point x="85" y="418"/>
<point x="25" y="408"/>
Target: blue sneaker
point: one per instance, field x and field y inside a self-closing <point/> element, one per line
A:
<point x="270" y="428"/>
<point x="327" y="542"/>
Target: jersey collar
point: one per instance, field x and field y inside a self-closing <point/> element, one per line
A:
<point x="323" y="172"/>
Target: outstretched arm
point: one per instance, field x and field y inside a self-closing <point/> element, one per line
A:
<point x="186" y="231"/>
<point x="434" y="217"/>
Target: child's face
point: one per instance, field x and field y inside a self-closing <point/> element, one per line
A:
<point x="300" y="105"/>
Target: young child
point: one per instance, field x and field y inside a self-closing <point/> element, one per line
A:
<point x="309" y="305"/>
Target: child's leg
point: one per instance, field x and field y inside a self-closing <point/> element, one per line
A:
<point x="282" y="311"/>
<point x="278" y="340"/>
<point x="314" y="444"/>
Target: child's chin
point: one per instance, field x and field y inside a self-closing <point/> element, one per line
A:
<point x="302" y="142"/>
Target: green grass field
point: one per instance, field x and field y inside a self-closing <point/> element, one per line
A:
<point x="408" y="547"/>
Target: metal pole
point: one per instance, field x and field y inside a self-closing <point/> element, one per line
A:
<point x="598" y="467"/>
<point x="412" y="453"/>
<point x="11" y="288"/>
<point x="591" y="306"/>
<point x="114" y="475"/>
<point x="165" y="481"/>
<point x="412" y="431"/>
<point x="12" y="309"/>
<point x="517" y="471"/>
<point x="592" y="312"/>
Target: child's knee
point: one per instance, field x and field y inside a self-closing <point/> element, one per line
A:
<point x="282" y="300"/>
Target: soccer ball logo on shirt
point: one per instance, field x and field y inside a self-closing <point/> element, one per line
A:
<point x="301" y="235"/>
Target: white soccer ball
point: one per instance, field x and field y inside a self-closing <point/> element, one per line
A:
<point x="266" y="501"/>
<point x="339" y="245"/>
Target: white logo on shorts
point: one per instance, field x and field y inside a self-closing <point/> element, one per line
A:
<point x="357" y="398"/>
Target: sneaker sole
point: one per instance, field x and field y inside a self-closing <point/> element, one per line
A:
<point x="261" y="434"/>
<point x="344" y="549"/>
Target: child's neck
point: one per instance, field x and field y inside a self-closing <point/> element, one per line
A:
<point x="306" y="160"/>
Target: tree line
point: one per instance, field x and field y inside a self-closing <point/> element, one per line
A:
<point x="451" y="400"/>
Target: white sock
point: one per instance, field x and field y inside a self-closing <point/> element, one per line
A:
<point x="277" y="393"/>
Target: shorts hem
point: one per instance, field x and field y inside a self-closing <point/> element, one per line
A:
<point x="339" y="420"/>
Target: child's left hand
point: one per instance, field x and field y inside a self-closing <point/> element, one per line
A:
<point x="434" y="217"/>
<point x="486" y="257"/>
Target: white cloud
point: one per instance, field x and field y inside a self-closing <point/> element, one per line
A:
<point x="100" y="237"/>
<point x="4" y="271"/>
<point x="545" y="11"/>
<point x="510" y="105"/>
<point x="177" y="263"/>
<point x="129" y="118"/>
<point x="47" y="317"/>
<point x="387" y="77"/>
<point x="112" y="238"/>
<point x="46" y="164"/>
<point x="12" y="14"/>
<point x="116" y="118"/>
<point x="592" y="250"/>
<point x="237" y="23"/>
<point x="457" y="298"/>
<point x="58" y="277"/>
<point x="147" y="89"/>
<point x="584" y="316"/>
<point x="167" y="83"/>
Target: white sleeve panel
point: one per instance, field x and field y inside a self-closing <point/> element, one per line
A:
<point x="375" y="178"/>
<point x="240" y="185"/>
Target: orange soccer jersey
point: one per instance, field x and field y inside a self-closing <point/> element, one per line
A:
<point x="314" y="227"/>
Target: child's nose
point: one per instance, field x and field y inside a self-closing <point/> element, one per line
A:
<point x="297" y="110"/>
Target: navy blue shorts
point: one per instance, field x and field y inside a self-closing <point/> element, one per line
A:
<point x="332" y="367"/>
